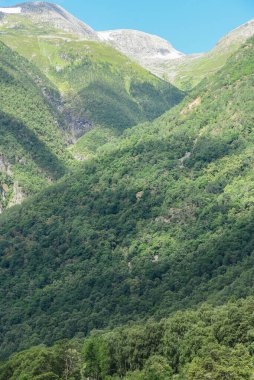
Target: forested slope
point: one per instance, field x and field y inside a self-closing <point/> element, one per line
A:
<point x="160" y="222"/>
<point x="214" y="343"/>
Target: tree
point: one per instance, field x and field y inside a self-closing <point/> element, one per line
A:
<point x="222" y="363"/>
<point x="157" y="368"/>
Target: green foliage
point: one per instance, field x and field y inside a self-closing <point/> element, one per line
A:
<point x="97" y="360"/>
<point x="220" y="362"/>
<point x="187" y="345"/>
<point x="61" y="362"/>
<point x="191" y="336"/>
<point x="157" y="368"/>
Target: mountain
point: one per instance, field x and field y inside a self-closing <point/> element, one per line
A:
<point x="183" y="70"/>
<point x="151" y="52"/>
<point x="156" y="223"/>
<point x="138" y="262"/>
<point x="162" y="59"/>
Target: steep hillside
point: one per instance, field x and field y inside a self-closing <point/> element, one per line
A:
<point x="32" y="147"/>
<point x="160" y="222"/>
<point x="99" y="86"/>
<point x="65" y="86"/>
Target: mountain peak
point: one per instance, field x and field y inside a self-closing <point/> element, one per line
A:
<point x="52" y="15"/>
<point x="140" y="46"/>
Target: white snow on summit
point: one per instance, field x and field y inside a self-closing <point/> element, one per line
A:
<point x="11" y="10"/>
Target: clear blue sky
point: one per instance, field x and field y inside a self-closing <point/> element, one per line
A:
<point x="190" y="25"/>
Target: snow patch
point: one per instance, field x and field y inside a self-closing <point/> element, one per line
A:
<point x="174" y="54"/>
<point x="105" y="36"/>
<point x="11" y="10"/>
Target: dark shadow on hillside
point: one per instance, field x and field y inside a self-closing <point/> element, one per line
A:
<point x="37" y="149"/>
<point x="153" y="100"/>
<point x="110" y="105"/>
<point x="5" y="77"/>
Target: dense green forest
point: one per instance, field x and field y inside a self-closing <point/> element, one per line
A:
<point x="159" y="222"/>
<point x="206" y="343"/>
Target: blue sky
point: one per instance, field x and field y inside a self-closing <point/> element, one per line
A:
<point x="190" y="25"/>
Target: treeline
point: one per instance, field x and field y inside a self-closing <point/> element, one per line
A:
<point x="207" y="343"/>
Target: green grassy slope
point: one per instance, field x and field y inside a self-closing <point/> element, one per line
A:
<point x="157" y="223"/>
<point x="97" y="83"/>
<point x="190" y="71"/>
<point x="33" y="153"/>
